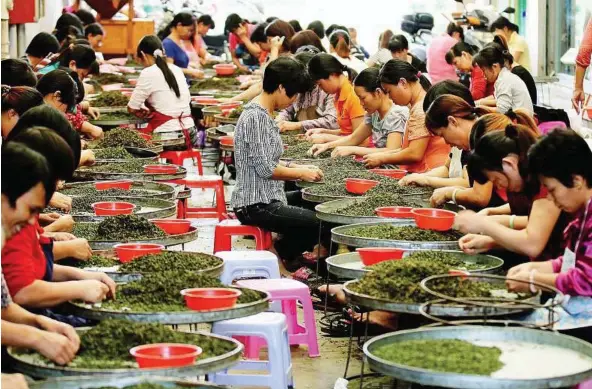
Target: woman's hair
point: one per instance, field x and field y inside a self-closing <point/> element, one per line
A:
<point x="340" y="41"/>
<point x="457" y="50"/>
<point x="79" y="84"/>
<point x="47" y="116"/>
<point x="271" y="19"/>
<point x="20" y="98"/>
<point x="368" y="79"/>
<point x="68" y="35"/>
<point x="385" y="38"/>
<point x="502" y="44"/>
<point x="69" y="19"/>
<point x="93" y="29"/>
<point x="323" y="65"/>
<point x="185" y="18"/>
<point x="502" y="22"/>
<point x="16" y="72"/>
<point x="395" y="69"/>
<point x="561" y="154"/>
<point x="59" y="81"/>
<point x="151" y="45"/>
<point x="295" y="25"/>
<point x="453" y="27"/>
<point x="492" y="54"/>
<point x="494" y="146"/>
<point x="42" y="44"/>
<point x="304" y="57"/>
<point x="287" y="72"/>
<point x="450" y="105"/>
<point x="498" y="121"/>
<point x="398" y="43"/>
<point x="317" y="27"/>
<point x="447" y="87"/>
<point x="206" y="20"/>
<point x="280" y="28"/>
<point x="82" y="55"/>
<point x="233" y="21"/>
<point x="334" y="27"/>
<point x="305" y="38"/>
<point x="258" y="34"/>
<point x="85" y="17"/>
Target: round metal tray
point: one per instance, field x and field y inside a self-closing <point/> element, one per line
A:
<point x="169" y="240"/>
<point x="511" y="340"/>
<point x="83" y="174"/>
<point x="156" y="148"/>
<point x="118" y="382"/>
<point x="161" y="191"/>
<point x="215" y="92"/>
<point x="181" y="317"/>
<point x="340" y="235"/>
<point x="151" y="208"/>
<point x="184" y="193"/>
<point x="212" y="135"/>
<point x="24" y="365"/>
<point x="113" y="123"/>
<point x="142" y="154"/>
<point x="225" y="120"/>
<point x="314" y="198"/>
<point x="350" y="266"/>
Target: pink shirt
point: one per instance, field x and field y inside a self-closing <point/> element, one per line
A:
<point x="234" y="40"/>
<point x="438" y="68"/>
<point x="585" y="52"/>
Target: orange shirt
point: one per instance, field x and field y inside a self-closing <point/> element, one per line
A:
<point x="348" y="107"/>
<point x="436" y="153"/>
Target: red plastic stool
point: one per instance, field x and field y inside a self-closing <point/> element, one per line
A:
<point x="226" y="229"/>
<point x="177" y="158"/>
<point x="206" y="182"/>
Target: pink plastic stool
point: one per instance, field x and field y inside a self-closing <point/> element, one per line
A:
<point x="226" y="229"/>
<point x="288" y="292"/>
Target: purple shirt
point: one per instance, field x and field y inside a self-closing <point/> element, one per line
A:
<point x="325" y="108"/>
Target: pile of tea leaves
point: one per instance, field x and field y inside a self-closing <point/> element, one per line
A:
<point x="110" y="99"/>
<point x="109" y="78"/>
<point x="89" y="190"/>
<point x="97" y="261"/>
<point x="235" y="113"/>
<point x="171" y="261"/>
<point x="300" y="151"/>
<point x="129" y="166"/>
<point x="445" y="355"/>
<point x="340" y="163"/>
<point x="329" y="190"/>
<point x="121" y="227"/>
<point x="291" y="138"/>
<point x="113" y="153"/>
<point x="161" y="292"/>
<point x="452" y="260"/>
<point x="122" y="137"/>
<point x="116" y="116"/>
<point x="222" y="84"/>
<point x="391" y="232"/>
<point x="107" y="345"/>
<point x="368" y="205"/>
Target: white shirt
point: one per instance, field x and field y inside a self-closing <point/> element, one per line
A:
<point x="382" y="56"/>
<point x="153" y="88"/>
<point x="352" y="62"/>
<point x="511" y="92"/>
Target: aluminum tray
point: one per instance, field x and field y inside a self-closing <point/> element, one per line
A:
<point x="161" y="209"/>
<point x="161" y="191"/>
<point x="85" y="175"/>
<point x="113" y="123"/>
<point x="184" y="193"/>
<point x="142" y="154"/>
<point x="515" y="344"/>
<point x="340" y="235"/>
<point x="313" y="198"/>
<point x="350" y="266"/>
<point x="24" y="365"/>
<point x="439" y="310"/>
<point x="118" y="382"/>
<point x="169" y="240"/>
<point x="212" y="135"/>
<point x="157" y="148"/>
<point x="215" y="92"/>
<point x="225" y="120"/>
<point x="181" y="317"/>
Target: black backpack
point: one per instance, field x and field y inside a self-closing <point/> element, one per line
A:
<point x="411" y="24"/>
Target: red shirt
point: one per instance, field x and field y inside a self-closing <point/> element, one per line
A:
<point x="585" y="51"/>
<point x="23" y="261"/>
<point x="234" y="40"/>
<point x="478" y="84"/>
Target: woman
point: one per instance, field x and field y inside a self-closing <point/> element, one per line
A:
<point x="501" y="157"/>
<point x="306" y="38"/>
<point x="420" y="151"/>
<point x="239" y="42"/>
<point x="15" y="102"/>
<point x="95" y="34"/>
<point x="79" y="58"/>
<point x="384" y="122"/>
<point x="162" y="87"/>
<point x="16" y="72"/>
<point x="259" y="198"/>
<point x="41" y="49"/>
<point x="340" y="44"/>
<point x="383" y="55"/>
<point x="399" y="48"/>
<point x="461" y="57"/>
<point x="180" y="29"/>
<point x="517" y="44"/>
<point x="515" y="67"/>
<point x="313" y="109"/>
<point x="282" y="31"/>
<point x="328" y="73"/>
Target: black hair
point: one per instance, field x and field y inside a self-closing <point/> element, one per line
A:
<point x="95" y="68"/>
<point x="47" y="116"/>
<point x="148" y="45"/>
<point x="16" y="72"/>
<point x="233" y="21"/>
<point x="289" y="73"/>
<point x="502" y="22"/>
<point x="23" y="169"/>
<point x="310" y="49"/>
<point x="94" y="29"/>
<point x="79" y="84"/>
<point x="206" y="20"/>
<point x="457" y="50"/>
<point x="69" y="19"/>
<point x="395" y="69"/>
<point x="295" y="25"/>
<point x="500" y="42"/>
<point x="561" y="154"/>
<point x="398" y="43"/>
<point x="306" y="38"/>
<point x="67" y="35"/>
<point x="341" y="42"/>
<point x="447" y="87"/>
<point x="81" y="42"/>
<point x="185" y="18"/>
<point x="334" y="27"/>
<point x="453" y="27"/>
<point x="436" y="117"/>
<point x="304" y="57"/>
<point x="368" y="79"/>
<point x="280" y="28"/>
<point x="317" y="27"/>
<point x="59" y="80"/>
<point x="20" y="98"/>
<point x="258" y="34"/>
<point x="323" y="65"/>
<point x="85" y="17"/>
<point x="42" y="44"/>
<point x="271" y="19"/>
<point x="490" y="55"/>
<point x="82" y="55"/>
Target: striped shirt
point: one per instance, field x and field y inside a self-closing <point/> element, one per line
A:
<point x="258" y="147"/>
<point x="325" y="108"/>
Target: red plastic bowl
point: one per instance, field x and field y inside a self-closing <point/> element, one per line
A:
<point x="160" y="169"/>
<point x="207" y="299"/>
<point x="433" y="219"/>
<point x="359" y="186"/>
<point x="205" y="100"/>
<point x="374" y="255"/>
<point x="395" y="212"/>
<point x="392" y="173"/>
<point x="232" y="105"/>
<point x="225" y="69"/>
<point x="227" y="140"/>
<point x="112" y="87"/>
<point x="121" y="184"/>
<point x="113" y="208"/>
<point x="165" y="355"/>
<point x="145" y="136"/>
<point x="127" y="252"/>
<point x="172" y="226"/>
<point x="589" y="112"/>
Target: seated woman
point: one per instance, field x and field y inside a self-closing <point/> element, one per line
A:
<point x="16" y="72"/>
<point x="399" y="48"/>
<point x="16" y="101"/>
<point x="94" y="34"/>
<point x="259" y="198"/>
<point x="306" y="38"/>
<point x="384" y="122"/>
<point x="180" y="29"/>
<point x="383" y="55"/>
<point x="420" y="151"/>
<point x="313" y="109"/>
<point x="328" y="73"/>
<point x="461" y="57"/>
<point x="340" y="48"/>
<point x="77" y="57"/>
<point x="516" y="68"/>
<point x="41" y="49"/>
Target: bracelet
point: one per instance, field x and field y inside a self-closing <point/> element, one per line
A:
<point x="454" y="192"/>
<point x="512" y="219"/>
<point x="533" y="289"/>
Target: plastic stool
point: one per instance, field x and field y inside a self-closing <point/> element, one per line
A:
<point x="177" y="158"/>
<point x="262" y="264"/>
<point x="226" y="229"/>
<point x="206" y="182"/>
<point x="273" y="328"/>
<point x="288" y="292"/>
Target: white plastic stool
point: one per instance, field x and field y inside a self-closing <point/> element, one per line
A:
<point x="273" y="328"/>
<point x="251" y="264"/>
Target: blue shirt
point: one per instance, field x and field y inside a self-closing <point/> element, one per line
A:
<point x="175" y="52"/>
<point x="49" y="68"/>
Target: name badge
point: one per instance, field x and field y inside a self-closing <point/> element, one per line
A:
<point x="569" y="260"/>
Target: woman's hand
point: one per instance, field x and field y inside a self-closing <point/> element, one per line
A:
<point x="528" y="266"/>
<point x="79" y="248"/>
<point x="468" y="222"/>
<point x="285" y="125"/>
<point x="194" y="73"/>
<point x="87" y="158"/>
<point x="14" y="381"/>
<point x="313" y="131"/>
<point x="476" y="244"/>
<point x="93" y="113"/>
<point x="578" y="99"/>
<point x="276" y="42"/>
<point x="64" y="223"/>
<point x="372" y="160"/>
<point x="415" y="178"/>
<point x="61" y="201"/>
<point x="59" y="236"/>
<point x="47" y="324"/>
<point x="106" y="280"/>
<point x="522" y="283"/>
<point x="241" y="31"/>
<point x="318" y="149"/>
<point x="92" y="291"/>
<point x="96" y="132"/>
<point x="342" y="151"/>
<point x="311" y="175"/>
<point x="439" y="196"/>
<point x="320" y="138"/>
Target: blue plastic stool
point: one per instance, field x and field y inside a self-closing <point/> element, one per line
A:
<point x="248" y="264"/>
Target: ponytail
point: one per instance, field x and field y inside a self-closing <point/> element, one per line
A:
<point x="82" y="55"/>
<point x="450" y="105"/>
<point x="395" y="69"/>
<point x="20" y="98"/>
<point x="497" y="121"/>
<point x="502" y="44"/>
<point x="340" y="41"/>
<point x="151" y="45"/>
<point x="323" y="65"/>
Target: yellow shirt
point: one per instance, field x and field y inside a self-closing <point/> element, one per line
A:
<point x="517" y="44"/>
